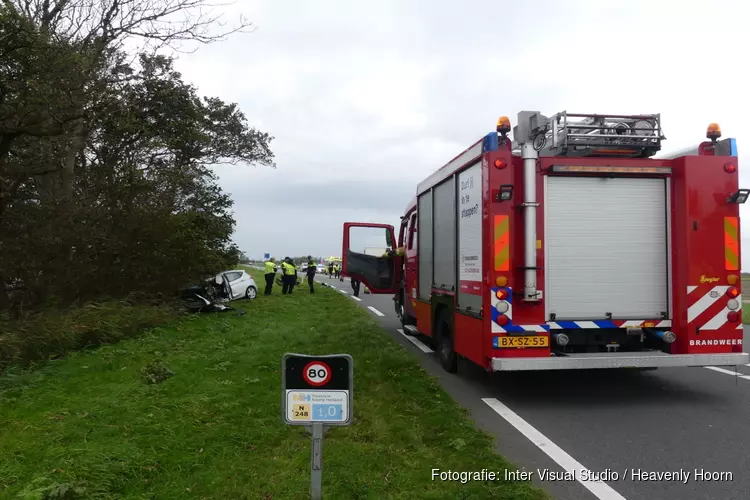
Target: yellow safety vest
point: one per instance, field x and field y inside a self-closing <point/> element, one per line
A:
<point x="270" y="267"/>
<point x="288" y="269"/>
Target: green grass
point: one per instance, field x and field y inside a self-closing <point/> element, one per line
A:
<point x="213" y="429"/>
<point x="50" y="333"/>
<point x="745" y="283"/>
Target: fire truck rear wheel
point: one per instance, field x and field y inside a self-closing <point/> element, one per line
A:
<point x="446" y="353"/>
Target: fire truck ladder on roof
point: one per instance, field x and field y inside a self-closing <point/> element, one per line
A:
<point x="569" y="134"/>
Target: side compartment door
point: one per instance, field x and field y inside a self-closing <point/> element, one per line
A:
<point x="380" y="274"/>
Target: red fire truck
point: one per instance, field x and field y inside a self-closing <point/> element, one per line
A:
<point x="569" y="247"/>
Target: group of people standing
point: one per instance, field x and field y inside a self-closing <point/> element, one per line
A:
<point x="334" y="270"/>
<point x="289" y="275"/>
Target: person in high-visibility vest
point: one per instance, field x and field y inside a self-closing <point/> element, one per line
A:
<point x="270" y="266"/>
<point x="311" y="274"/>
<point x="290" y="276"/>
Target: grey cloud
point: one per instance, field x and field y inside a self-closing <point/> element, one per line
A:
<point x="374" y="196"/>
<point x="366" y="100"/>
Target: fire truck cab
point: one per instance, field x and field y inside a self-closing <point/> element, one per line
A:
<point x="569" y="247"/>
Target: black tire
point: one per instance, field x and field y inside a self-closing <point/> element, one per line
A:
<point x="446" y="353"/>
<point x="400" y="311"/>
<point x="251" y="292"/>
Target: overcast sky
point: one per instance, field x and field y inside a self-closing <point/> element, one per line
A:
<point x="365" y="99"/>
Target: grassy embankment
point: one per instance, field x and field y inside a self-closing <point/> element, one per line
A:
<point x="213" y="428"/>
<point x="50" y="333"/>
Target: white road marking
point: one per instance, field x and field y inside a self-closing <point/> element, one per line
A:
<point x="600" y="489"/>
<point x="356" y="298"/>
<point x="342" y="291"/>
<point x="728" y="372"/>
<point x="375" y="311"/>
<point x="416" y="342"/>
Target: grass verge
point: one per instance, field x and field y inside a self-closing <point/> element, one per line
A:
<point x="51" y="333"/>
<point x="746" y="313"/>
<point x="210" y="427"/>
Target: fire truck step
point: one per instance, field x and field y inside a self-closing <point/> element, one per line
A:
<point x="411" y="330"/>
<point x="643" y="359"/>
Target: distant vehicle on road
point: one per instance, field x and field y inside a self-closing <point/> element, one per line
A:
<point x="377" y="252"/>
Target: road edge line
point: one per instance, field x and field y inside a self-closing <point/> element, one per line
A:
<point x="728" y="372"/>
<point x="419" y="345"/>
<point x="599" y="489"/>
<point x="378" y="313"/>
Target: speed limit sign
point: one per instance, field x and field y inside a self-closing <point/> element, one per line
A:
<point x="317" y="389"/>
<point x="316" y="373"/>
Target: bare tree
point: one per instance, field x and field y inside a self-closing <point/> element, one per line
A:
<point x="105" y="22"/>
<point x="60" y="52"/>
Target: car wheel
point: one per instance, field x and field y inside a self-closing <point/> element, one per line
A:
<point x="251" y="292"/>
<point x="447" y="355"/>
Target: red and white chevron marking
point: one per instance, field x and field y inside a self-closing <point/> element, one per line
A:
<point x="707" y="307"/>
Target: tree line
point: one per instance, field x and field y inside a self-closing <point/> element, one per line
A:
<point x="106" y="186"/>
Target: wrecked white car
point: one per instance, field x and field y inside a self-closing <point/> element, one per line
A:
<point x="224" y="287"/>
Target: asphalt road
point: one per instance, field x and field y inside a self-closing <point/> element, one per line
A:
<point x="605" y="421"/>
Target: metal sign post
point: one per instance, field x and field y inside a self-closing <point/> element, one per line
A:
<point x="317" y="392"/>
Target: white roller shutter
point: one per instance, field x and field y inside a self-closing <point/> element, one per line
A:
<point x="606" y="248"/>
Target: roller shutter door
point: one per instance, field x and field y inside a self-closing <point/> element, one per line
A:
<point x="606" y="248"/>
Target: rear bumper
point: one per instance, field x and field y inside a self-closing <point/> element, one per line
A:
<point x="653" y="359"/>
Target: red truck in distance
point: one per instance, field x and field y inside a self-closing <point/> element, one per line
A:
<point x="569" y="247"/>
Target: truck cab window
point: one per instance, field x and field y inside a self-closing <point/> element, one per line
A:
<point x="412" y="230"/>
<point x="367" y="256"/>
